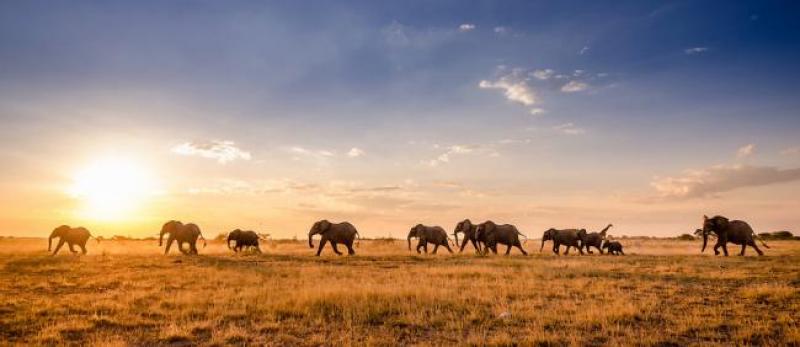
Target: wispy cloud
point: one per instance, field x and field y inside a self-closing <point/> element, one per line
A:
<point x="221" y="151"/>
<point x="574" y="86"/>
<point x="583" y="50"/>
<point x="355" y="152"/>
<point x="745" y="151"/>
<point x="791" y="151"/>
<point x="720" y="178"/>
<point x="569" y="129"/>
<point x="695" y="50"/>
<point x="543" y="74"/>
<point x="502" y="30"/>
<point x="536" y="111"/>
<point x="516" y="90"/>
<point x="466" y="27"/>
<point x="456" y="150"/>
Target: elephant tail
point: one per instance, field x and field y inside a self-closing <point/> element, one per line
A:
<point x="358" y="238"/>
<point x="204" y="240"/>
<point x="95" y="238"/>
<point x="523" y="235"/>
<point x="760" y="240"/>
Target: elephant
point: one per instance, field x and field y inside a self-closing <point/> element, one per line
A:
<point x="243" y="239"/>
<point x="429" y="234"/>
<point x="72" y="236"/>
<point x="468" y="229"/>
<point x="335" y="233"/>
<point x="567" y="237"/>
<point x="181" y="233"/>
<point x="595" y="240"/>
<point x="614" y="247"/>
<point x="734" y="231"/>
<point x="490" y="234"/>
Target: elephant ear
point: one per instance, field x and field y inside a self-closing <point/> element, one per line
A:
<point x="324" y="225"/>
<point x="721" y="222"/>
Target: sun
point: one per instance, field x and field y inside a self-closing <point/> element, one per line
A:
<point x="111" y="189"/>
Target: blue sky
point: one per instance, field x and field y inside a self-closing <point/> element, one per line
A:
<point x="528" y="107"/>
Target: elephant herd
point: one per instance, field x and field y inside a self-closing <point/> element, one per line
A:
<point x="484" y="237"/>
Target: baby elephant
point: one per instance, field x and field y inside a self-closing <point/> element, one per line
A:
<point x="243" y="239"/>
<point x="613" y="247"/>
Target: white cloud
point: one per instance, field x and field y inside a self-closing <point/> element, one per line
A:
<point x="516" y="90"/>
<point x="719" y="179"/>
<point x="583" y="50"/>
<point x="501" y="30"/>
<point x="791" y="151"/>
<point x="574" y="86"/>
<point x="466" y="27"/>
<point x="695" y="50"/>
<point x="221" y="151"/>
<point x="461" y="150"/>
<point x="355" y="152"/>
<point x="569" y="129"/>
<point x="745" y="151"/>
<point x="537" y="111"/>
<point x="543" y="74"/>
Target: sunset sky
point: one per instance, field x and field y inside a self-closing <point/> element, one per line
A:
<point x="120" y="115"/>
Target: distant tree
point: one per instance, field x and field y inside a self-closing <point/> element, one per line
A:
<point x="777" y="235"/>
<point x="221" y="237"/>
<point x="686" y="237"/>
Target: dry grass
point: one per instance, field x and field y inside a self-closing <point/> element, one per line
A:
<point x="664" y="293"/>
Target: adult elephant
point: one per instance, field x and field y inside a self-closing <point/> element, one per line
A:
<point x="243" y="239"/>
<point x="429" y="234"/>
<point x="567" y="237"/>
<point x="335" y="233"/>
<point x="490" y="234"/>
<point x="595" y="240"/>
<point x="468" y="229"/>
<point x="72" y="236"/>
<point x="733" y="231"/>
<point x="182" y="233"/>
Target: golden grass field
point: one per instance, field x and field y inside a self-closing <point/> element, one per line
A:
<point x="663" y="293"/>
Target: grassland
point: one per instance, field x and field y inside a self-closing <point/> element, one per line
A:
<point x="662" y="293"/>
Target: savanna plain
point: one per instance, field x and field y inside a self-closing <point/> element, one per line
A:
<point x="663" y="292"/>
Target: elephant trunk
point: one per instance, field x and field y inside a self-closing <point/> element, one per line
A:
<point x="455" y="234"/>
<point x="409" y="242"/>
<point x="541" y="248"/>
<point x="161" y="237"/>
<point x="705" y="241"/>
<point x="310" y="240"/>
<point x="50" y="242"/>
<point x="229" y="243"/>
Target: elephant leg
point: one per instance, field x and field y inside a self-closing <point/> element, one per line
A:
<point x="475" y="244"/>
<point x="180" y="248"/>
<point x="567" y="251"/>
<point x="508" y="250"/>
<point x="446" y="245"/>
<point x="621" y="252"/>
<point x="752" y="243"/>
<point x="83" y="247"/>
<point x="193" y="247"/>
<point x="419" y="246"/>
<point x="716" y="248"/>
<point x="580" y="250"/>
<point x="169" y="244"/>
<point x="555" y="248"/>
<point x="588" y="249"/>
<point x="258" y="248"/>
<point x="519" y="245"/>
<point x="725" y="248"/>
<point x="349" y="245"/>
<point x="464" y="244"/>
<point x="335" y="248"/>
<point x="744" y="246"/>
<point x="599" y="249"/>
<point x="322" y="243"/>
<point x="58" y="247"/>
<point x="435" y="248"/>
<point x="424" y="246"/>
<point x="71" y="247"/>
